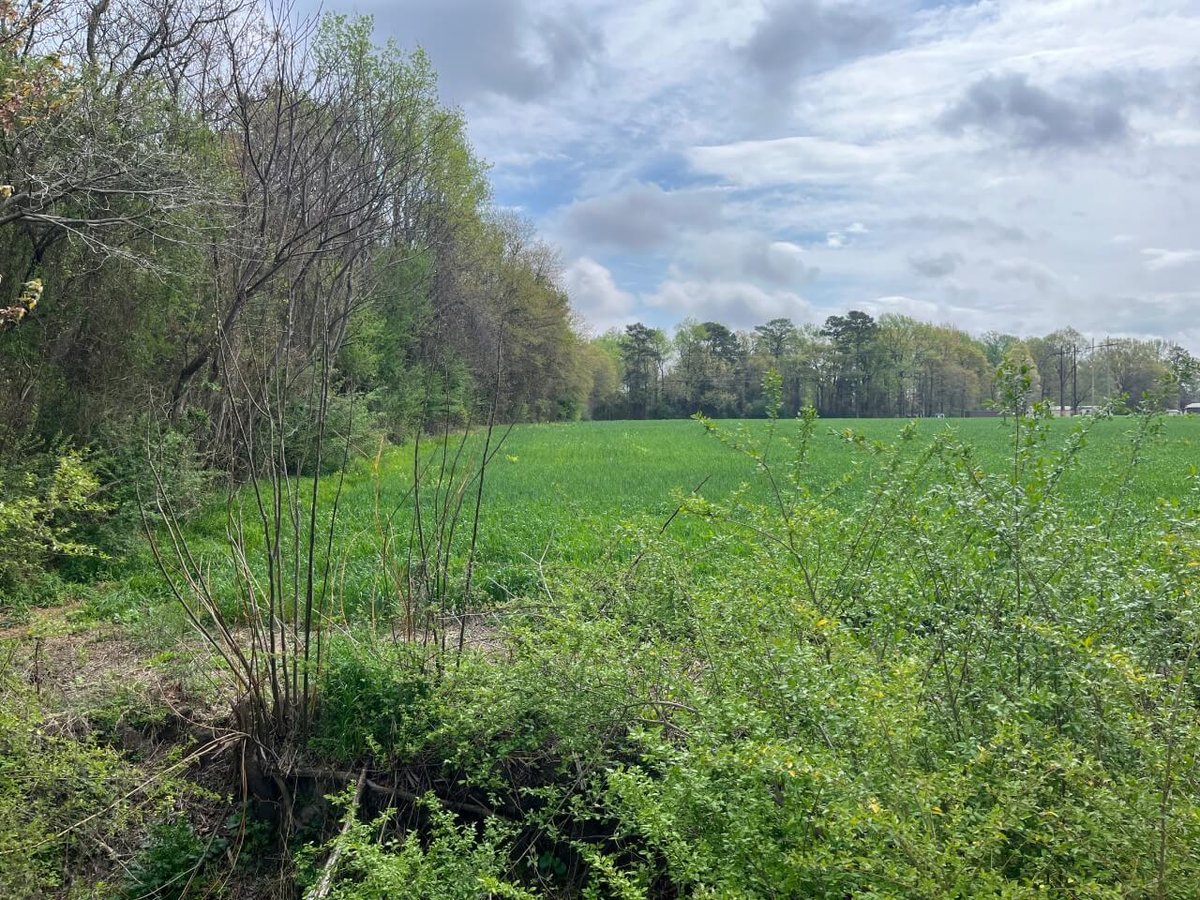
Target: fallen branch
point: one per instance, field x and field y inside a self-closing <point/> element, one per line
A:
<point x="321" y="891"/>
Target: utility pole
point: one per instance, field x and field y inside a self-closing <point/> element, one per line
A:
<point x="1092" y="357"/>
<point x="1062" y="378"/>
<point x="1074" y="378"/>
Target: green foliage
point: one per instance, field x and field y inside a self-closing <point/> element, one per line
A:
<point x="67" y="805"/>
<point x="46" y="497"/>
<point x="906" y="668"/>
<point x="69" y="515"/>
<point x="32" y="590"/>
<point x="947" y="702"/>
<point x="944" y="662"/>
<point x="373" y="701"/>
<point x="316" y="446"/>
<point x="576" y="492"/>
<point x="1015" y="382"/>
<point x="143" y="463"/>
<point x="953" y="660"/>
<point x="453" y="863"/>
<point x="169" y="862"/>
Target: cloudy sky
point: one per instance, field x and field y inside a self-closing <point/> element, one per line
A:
<point x="1011" y="165"/>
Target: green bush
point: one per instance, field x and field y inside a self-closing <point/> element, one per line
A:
<point x="70" y="809"/>
<point x="45" y="499"/>
<point x="143" y="463"/>
<point x="350" y="431"/>
<point x="927" y="679"/>
<point x="452" y="863"/>
<point x="32" y="589"/>
<point x="962" y="686"/>
<point x="169" y="863"/>
<point x="922" y="675"/>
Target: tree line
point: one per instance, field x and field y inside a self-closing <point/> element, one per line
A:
<point x="855" y="365"/>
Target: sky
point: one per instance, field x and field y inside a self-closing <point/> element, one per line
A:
<point x="1016" y="166"/>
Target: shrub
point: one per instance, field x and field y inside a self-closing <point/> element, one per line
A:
<point x="926" y="679"/>
<point x="168" y="863"/>
<point x="67" y="806"/>
<point x="45" y="497"/>
<point x="350" y="431"/>
<point x="453" y="863"/>
<point x="131" y="455"/>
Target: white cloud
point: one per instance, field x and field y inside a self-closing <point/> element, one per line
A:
<point x="1027" y="271"/>
<point x="733" y="255"/>
<point x="736" y="304"/>
<point x="803" y="142"/>
<point x="804" y="160"/>
<point x="641" y="217"/>
<point x="904" y="306"/>
<point x="1158" y="259"/>
<point x="595" y="296"/>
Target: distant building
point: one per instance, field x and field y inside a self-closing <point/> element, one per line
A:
<point x="1192" y="409"/>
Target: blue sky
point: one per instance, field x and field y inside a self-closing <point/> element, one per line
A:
<point x="1017" y="166"/>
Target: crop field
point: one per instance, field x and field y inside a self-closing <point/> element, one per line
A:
<point x="560" y="475"/>
<point x="572" y="493"/>
<point x="570" y="486"/>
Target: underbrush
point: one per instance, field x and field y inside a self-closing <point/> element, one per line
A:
<point x="449" y="862"/>
<point x="47" y="497"/>
<point x="935" y="674"/>
<point x="72" y="516"/>
<point x="77" y="818"/>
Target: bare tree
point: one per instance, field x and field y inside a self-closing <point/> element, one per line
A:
<point x="89" y="145"/>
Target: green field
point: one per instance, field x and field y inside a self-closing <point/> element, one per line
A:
<point x="569" y="487"/>
<point x="625" y="469"/>
<point x="574" y="494"/>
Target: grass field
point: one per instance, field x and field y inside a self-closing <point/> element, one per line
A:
<point x="570" y="485"/>
<point x="616" y="469"/>
<point x="568" y="493"/>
